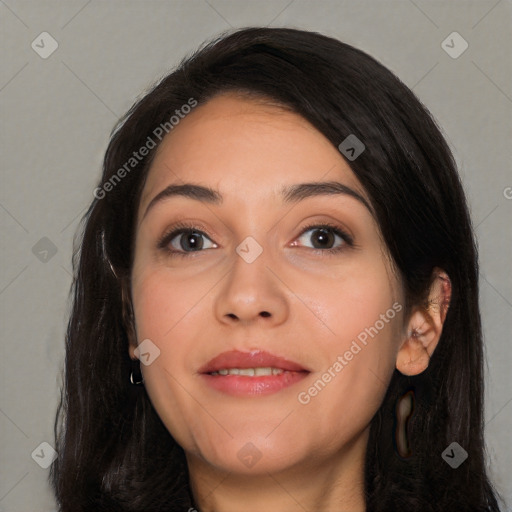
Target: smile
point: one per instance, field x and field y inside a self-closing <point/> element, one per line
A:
<point x="251" y="373"/>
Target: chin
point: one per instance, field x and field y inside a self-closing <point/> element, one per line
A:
<point x="254" y="457"/>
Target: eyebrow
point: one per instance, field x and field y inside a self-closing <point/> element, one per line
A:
<point x="290" y="194"/>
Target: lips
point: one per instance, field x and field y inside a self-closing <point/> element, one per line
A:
<point x="253" y="359"/>
<point x="251" y="373"/>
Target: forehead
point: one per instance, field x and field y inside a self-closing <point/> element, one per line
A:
<point x="245" y="148"/>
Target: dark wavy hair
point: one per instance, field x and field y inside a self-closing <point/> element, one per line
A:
<point x="114" y="453"/>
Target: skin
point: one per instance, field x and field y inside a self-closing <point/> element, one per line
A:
<point x="195" y="307"/>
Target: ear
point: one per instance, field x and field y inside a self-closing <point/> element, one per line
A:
<point x="128" y="318"/>
<point x="425" y="326"/>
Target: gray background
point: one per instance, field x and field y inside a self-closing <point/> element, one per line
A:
<point x="57" y="114"/>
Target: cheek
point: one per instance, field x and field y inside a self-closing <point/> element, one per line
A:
<point x="364" y="315"/>
<point x="171" y="314"/>
<point x="161" y="308"/>
<point x="156" y="306"/>
<point x="360" y="306"/>
<point x="163" y="302"/>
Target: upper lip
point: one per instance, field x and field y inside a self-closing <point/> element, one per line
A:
<point x="251" y="359"/>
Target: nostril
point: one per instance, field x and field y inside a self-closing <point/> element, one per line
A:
<point x="265" y="313"/>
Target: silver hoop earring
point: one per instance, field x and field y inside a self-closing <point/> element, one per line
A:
<point x="136" y="377"/>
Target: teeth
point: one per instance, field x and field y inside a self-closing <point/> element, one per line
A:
<point x="249" y="372"/>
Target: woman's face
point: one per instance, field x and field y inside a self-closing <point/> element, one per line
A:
<point x="315" y="312"/>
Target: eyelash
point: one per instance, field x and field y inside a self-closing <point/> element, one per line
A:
<point x="184" y="227"/>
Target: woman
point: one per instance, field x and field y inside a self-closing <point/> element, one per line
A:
<point x="275" y="301"/>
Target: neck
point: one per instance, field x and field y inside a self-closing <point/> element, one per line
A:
<point x="336" y="483"/>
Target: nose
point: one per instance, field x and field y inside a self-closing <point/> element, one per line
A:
<point x="252" y="292"/>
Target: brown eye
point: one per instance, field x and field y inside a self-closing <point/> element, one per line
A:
<point x="322" y="238"/>
<point x="325" y="237"/>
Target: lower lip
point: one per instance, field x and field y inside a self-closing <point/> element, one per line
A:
<point x="239" y="385"/>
